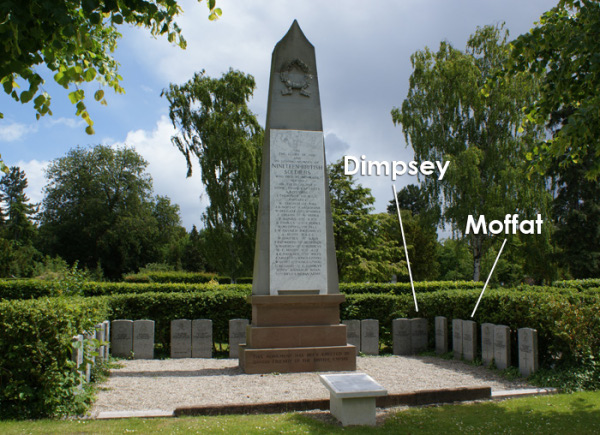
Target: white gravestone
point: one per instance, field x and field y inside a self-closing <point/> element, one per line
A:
<point x="143" y="339"/>
<point x="181" y="338"/>
<point x="298" y="240"/>
<point x="469" y="342"/>
<point x="502" y="346"/>
<point x="457" y="333"/>
<point x="77" y="357"/>
<point x="352" y="397"/>
<point x="77" y="353"/>
<point x="353" y="333"/>
<point x="202" y="338"/>
<point x="100" y="336"/>
<point x="106" y="324"/>
<point x="369" y="336"/>
<point x="487" y="343"/>
<point x="121" y="338"/>
<point x="528" y="351"/>
<point x="89" y="347"/>
<point x="418" y="335"/>
<point x="401" y="330"/>
<point x="441" y="335"/>
<point x="237" y="336"/>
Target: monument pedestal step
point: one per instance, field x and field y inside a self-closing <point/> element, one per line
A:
<point x="298" y="359"/>
<point x="269" y="337"/>
<point x="296" y="310"/>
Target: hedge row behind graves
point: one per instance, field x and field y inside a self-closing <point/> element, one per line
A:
<point x="37" y="376"/>
<point x="32" y="288"/>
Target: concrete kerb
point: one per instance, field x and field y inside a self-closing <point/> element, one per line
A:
<point x="417" y="398"/>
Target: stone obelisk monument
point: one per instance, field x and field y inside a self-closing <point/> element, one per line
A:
<point x="295" y="294"/>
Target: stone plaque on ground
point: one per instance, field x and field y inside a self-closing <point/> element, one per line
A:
<point x="237" y="335"/>
<point x="202" y="338"/>
<point x="469" y="341"/>
<point x="353" y="332"/>
<point x="401" y="334"/>
<point x="295" y="290"/>
<point x="441" y="335"/>
<point x="457" y="332"/>
<point x="369" y="336"/>
<point x="181" y="338"/>
<point x="528" y="351"/>
<point x="502" y="346"/>
<point x="143" y="339"/>
<point x="121" y="338"/>
<point x="418" y="335"/>
<point x="487" y="343"/>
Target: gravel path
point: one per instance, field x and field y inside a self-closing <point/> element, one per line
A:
<point x="170" y="384"/>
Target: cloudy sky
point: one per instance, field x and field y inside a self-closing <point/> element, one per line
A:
<point x="363" y="54"/>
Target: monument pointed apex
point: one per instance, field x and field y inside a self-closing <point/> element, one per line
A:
<point x="295" y="33"/>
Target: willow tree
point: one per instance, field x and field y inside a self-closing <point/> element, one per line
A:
<point x="217" y="127"/>
<point x="447" y="116"/>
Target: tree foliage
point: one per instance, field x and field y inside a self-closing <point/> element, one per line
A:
<point x="98" y="209"/>
<point x="446" y="117"/>
<point x="75" y="40"/>
<point x="217" y="127"/>
<point x="562" y="49"/>
<point x="576" y="212"/>
<point x="16" y="219"/>
<point x="17" y="230"/>
<point x="364" y="249"/>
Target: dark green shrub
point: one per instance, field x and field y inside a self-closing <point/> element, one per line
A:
<point x="37" y="377"/>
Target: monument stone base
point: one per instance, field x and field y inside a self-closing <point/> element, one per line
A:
<point x="296" y="333"/>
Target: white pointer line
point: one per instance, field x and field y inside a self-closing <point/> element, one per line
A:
<point x="412" y="286"/>
<point x="488" y="279"/>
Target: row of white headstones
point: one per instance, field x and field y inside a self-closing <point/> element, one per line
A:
<point x="194" y="339"/>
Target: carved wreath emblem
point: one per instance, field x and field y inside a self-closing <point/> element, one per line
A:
<point x="290" y="85"/>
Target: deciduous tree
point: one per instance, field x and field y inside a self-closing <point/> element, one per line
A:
<point x="75" y="40"/>
<point x="446" y="116"/>
<point x="217" y="127"/>
<point x="562" y="49"/>
<point x="98" y="209"/>
<point x="364" y="248"/>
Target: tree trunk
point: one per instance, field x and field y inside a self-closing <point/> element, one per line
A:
<point x="477" y="241"/>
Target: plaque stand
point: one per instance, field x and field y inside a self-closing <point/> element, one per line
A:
<point x="296" y="333"/>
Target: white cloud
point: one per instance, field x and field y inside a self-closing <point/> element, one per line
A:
<point x="14" y="131"/>
<point x="36" y="180"/>
<point x="67" y="122"/>
<point x="168" y="169"/>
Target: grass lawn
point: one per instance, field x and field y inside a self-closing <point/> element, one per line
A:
<point x="577" y="413"/>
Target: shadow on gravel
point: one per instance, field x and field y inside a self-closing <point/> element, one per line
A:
<point x="226" y="371"/>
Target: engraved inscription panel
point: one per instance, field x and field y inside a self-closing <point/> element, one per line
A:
<point x="297" y="215"/>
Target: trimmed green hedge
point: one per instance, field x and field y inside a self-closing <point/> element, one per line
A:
<point x="592" y="283"/>
<point x="37" y="377"/>
<point x="176" y="277"/>
<point x="405" y="288"/>
<point x="31" y="288"/>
